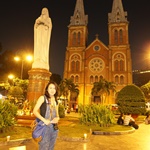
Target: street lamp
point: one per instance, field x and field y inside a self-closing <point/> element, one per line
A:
<point x="27" y="58"/>
<point x="10" y="79"/>
<point x="10" y="76"/>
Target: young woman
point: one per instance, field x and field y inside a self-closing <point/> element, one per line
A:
<point x="46" y="110"/>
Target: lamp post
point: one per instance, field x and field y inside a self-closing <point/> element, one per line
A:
<point x="27" y="58"/>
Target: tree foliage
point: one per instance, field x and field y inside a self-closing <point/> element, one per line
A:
<point x="146" y="90"/>
<point x="103" y="88"/>
<point x="67" y="87"/>
<point x="8" y="112"/>
<point x="131" y="99"/>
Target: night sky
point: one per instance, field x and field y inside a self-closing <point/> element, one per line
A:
<point x="18" y="18"/>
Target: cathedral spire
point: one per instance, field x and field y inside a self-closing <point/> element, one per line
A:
<point x="79" y="17"/>
<point x="117" y="14"/>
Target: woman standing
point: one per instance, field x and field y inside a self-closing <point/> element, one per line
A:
<point x="48" y="106"/>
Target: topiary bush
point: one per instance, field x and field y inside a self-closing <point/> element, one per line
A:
<point x="131" y="99"/>
<point x="8" y="113"/>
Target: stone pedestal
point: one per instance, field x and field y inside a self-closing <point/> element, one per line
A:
<point x="38" y="79"/>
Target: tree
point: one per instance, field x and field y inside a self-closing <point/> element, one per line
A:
<point x="131" y="99"/>
<point x="146" y="90"/>
<point x="103" y="88"/>
<point x="67" y="87"/>
<point x="74" y="92"/>
<point x="23" y="84"/>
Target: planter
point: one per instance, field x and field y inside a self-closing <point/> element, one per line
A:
<point x="25" y="120"/>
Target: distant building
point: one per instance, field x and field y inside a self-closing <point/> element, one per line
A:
<point x="141" y="77"/>
<point x="86" y="64"/>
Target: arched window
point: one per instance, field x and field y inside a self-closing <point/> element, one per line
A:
<point x="116" y="65"/>
<point x="77" y="65"/>
<point x="96" y="78"/>
<point x="121" y="80"/>
<point x="79" y="35"/>
<point x="101" y="77"/>
<point x="91" y="79"/>
<point x="121" y="36"/>
<point x="116" y="79"/>
<point x="72" y="77"/>
<point x="74" y="39"/>
<point x="76" y="79"/>
<point x="121" y="65"/>
<point x="119" y="62"/>
<point x="73" y="66"/>
<point x="116" y="37"/>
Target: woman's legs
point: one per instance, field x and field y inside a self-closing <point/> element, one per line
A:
<point x="49" y="139"/>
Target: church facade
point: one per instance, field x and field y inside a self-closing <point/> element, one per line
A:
<point x="87" y="64"/>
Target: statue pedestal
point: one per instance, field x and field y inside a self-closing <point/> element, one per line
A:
<point x="38" y="79"/>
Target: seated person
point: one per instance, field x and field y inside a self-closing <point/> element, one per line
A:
<point x="128" y="120"/>
<point x="120" y="120"/>
<point x="147" y="119"/>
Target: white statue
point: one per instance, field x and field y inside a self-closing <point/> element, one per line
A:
<point x="42" y="35"/>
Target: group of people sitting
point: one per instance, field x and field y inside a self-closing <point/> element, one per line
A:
<point x="127" y="120"/>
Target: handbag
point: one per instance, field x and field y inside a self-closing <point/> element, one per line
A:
<point x="38" y="130"/>
<point x="55" y="126"/>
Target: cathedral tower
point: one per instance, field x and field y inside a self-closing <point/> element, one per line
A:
<point x="121" y="68"/>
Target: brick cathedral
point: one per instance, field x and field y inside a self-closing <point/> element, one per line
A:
<point x="86" y="64"/>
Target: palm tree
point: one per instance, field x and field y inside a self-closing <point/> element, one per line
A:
<point x="68" y="89"/>
<point x="103" y="88"/>
<point x="65" y="87"/>
<point x="74" y="91"/>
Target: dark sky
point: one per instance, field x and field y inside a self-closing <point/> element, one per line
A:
<point x="18" y="17"/>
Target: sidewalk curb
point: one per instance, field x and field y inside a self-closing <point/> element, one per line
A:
<point x="75" y="139"/>
<point x="113" y="133"/>
<point x="18" y="141"/>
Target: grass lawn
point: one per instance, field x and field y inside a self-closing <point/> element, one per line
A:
<point x="16" y="132"/>
<point x="68" y="127"/>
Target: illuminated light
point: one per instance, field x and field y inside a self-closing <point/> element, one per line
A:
<point x="11" y="76"/>
<point x="8" y="138"/>
<point x="84" y="146"/>
<point x="28" y="58"/>
<point x="85" y="136"/>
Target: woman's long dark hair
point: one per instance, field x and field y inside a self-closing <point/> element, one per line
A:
<point x="46" y="91"/>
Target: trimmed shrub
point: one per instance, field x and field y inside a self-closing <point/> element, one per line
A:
<point x="131" y="99"/>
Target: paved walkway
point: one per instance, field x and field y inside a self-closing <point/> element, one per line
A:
<point x="138" y="140"/>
